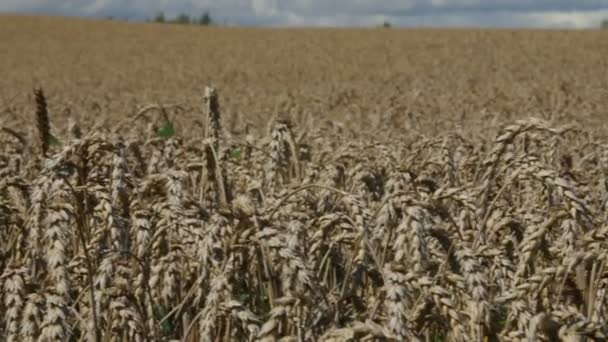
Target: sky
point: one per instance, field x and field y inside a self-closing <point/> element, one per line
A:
<point x="442" y="13"/>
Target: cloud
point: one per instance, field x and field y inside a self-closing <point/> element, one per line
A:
<point x="486" y="13"/>
<point x="571" y="19"/>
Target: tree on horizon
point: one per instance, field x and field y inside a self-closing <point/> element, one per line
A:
<point x="205" y="19"/>
<point x="159" y="17"/>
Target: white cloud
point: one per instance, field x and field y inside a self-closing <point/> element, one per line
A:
<point x="96" y="6"/>
<point x="265" y="8"/>
<point x="573" y="19"/>
<point x="441" y="3"/>
<point x="529" y="13"/>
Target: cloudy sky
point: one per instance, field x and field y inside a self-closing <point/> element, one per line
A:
<point x="485" y="13"/>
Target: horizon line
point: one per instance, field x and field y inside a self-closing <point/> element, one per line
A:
<point x="226" y="24"/>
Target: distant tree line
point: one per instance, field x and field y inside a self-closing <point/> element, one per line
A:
<point x="184" y="19"/>
<point x="604" y="24"/>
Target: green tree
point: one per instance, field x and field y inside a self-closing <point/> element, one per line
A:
<point x="386" y="24"/>
<point x="182" y="19"/>
<point x="205" y="19"/>
<point x="159" y="17"/>
<point x="604" y="24"/>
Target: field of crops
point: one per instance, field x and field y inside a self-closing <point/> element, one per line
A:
<point x="163" y="182"/>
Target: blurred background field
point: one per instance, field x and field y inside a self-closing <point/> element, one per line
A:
<point x="441" y="78"/>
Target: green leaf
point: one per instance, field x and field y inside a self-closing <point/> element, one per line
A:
<point x="167" y="327"/>
<point x="244" y="297"/>
<point x="53" y="141"/>
<point x="236" y="153"/>
<point x="167" y="130"/>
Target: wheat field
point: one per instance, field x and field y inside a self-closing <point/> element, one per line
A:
<point x="163" y="182"/>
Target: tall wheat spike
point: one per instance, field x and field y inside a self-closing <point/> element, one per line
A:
<point x="42" y="121"/>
